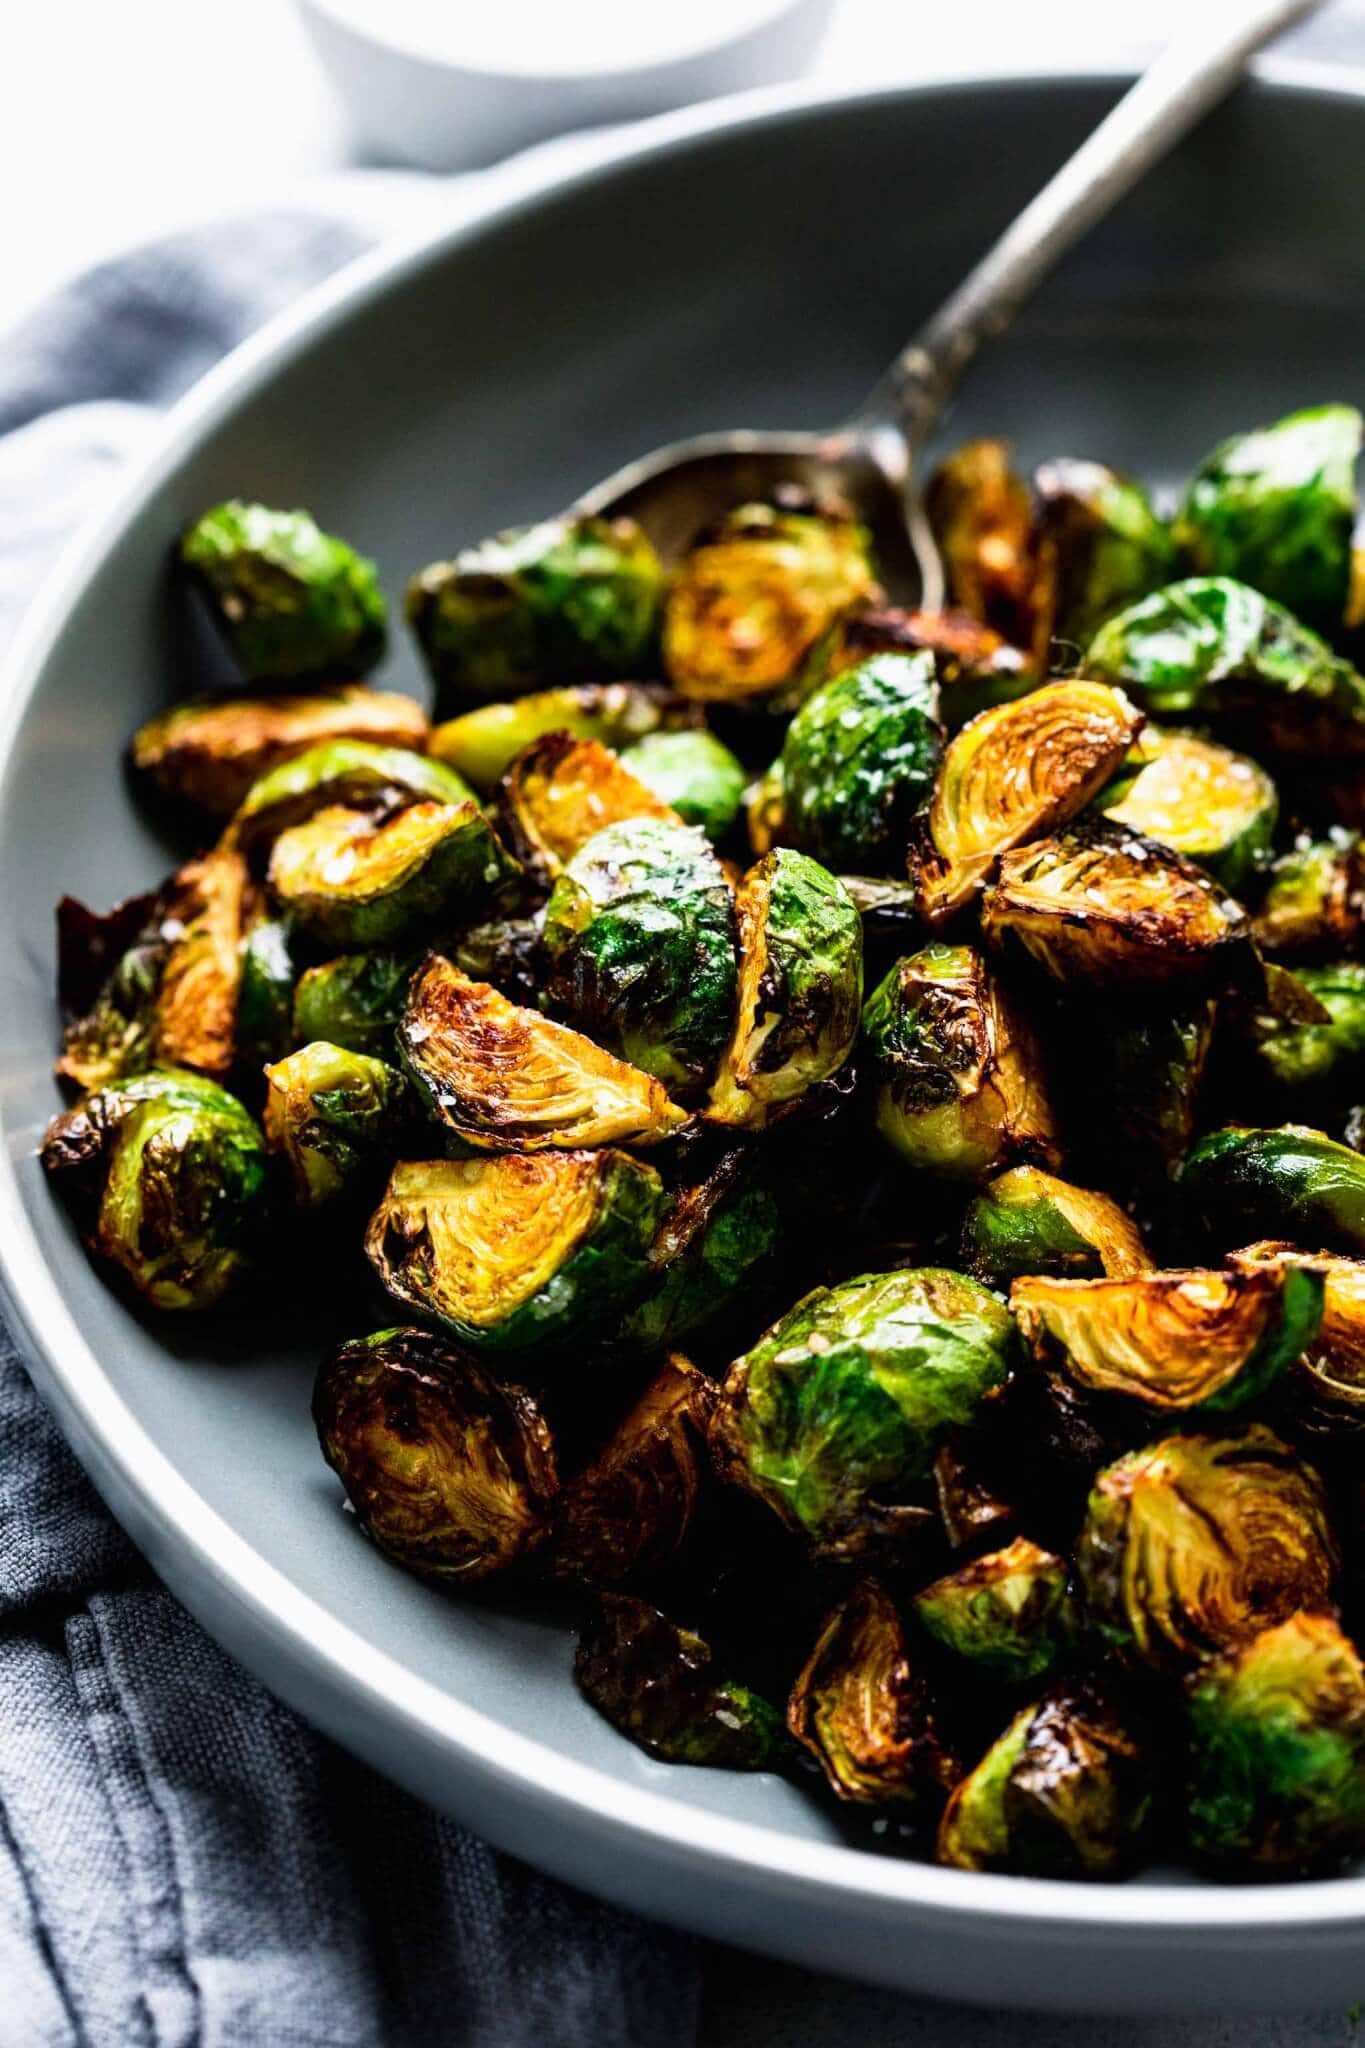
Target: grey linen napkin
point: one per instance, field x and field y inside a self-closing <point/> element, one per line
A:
<point x="182" y="1861"/>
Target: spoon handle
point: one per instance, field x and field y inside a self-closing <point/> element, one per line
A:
<point x="1198" y="67"/>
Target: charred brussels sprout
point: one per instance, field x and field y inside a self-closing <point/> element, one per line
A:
<point x="983" y="522"/>
<point x="514" y="1252"/>
<point x="1174" y="1341"/>
<point x="1101" y="905"/>
<point x="167" y="1175"/>
<point x="839" y="1409"/>
<point x="450" y="1471"/>
<point x="1314" y="903"/>
<point x="957" y="1069"/>
<point x="346" y="879"/>
<point x="509" y="1080"/>
<point x="561" y="792"/>
<point x="859" y="760"/>
<point x="1276" y="508"/>
<point x="1100" y="546"/>
<point x="865" y="1714"/>
<point x="1027" y="1221"/>
<point x="1066" y="1791"/>
<point x="1311" y="1061"/>
<point x="1143" y="1064"/>
<point x="482" y="744"/>
<point x="1213" y="649"/>
<point x="755" y="600"/>
<point x="1196" y="1542"/>
<point x="659" y="1685"/>
<point x="333" y="1114"/>
<point x="1013" y="775"/>
<point x="1239" y="1184"/>
<point x="265" y="996"/>
<point x="1010" y="1613"/>
<point x="357" y="773"/>
<point x="710" y="1250"/>
<point x="209" y="752"/>
<point x="975" y="666"/>
<point x="355" y="1001"/>
<point x="1216" y="807"/>
<point x="628" y="1512"/>
<point x="640" y="947"/>
<point x="694" y="773"/>
<point x="289" y="599"/>
<point x="1328" y="1385"/>
<point x="568" y="601"/>
<point x="1276" y="1783"/>
<point x="800" y="989"/>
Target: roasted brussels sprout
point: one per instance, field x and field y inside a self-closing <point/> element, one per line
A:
<point x="1239" y="1184"/>
<point x="347" y="879"/>
<point x="1066" y="1791"/>
<point x="1027" y="1221"/>
<point x="265" y="994"/>
<point x="1302" y="1062"/>
<point x="659" y="1686"/>
<point x="333" y="1114"/>
<point x="1010" y="1613"/>
<point x="509" y="1080"/>
<point x="482" y="744"/>
<point x="449" y="1470"/>
<point x="1098" y="545"/>
<point x="976" y="667"/>
<point x="209" y="752"/>
<point x="1216" y="807"/>
<point x="1276" y="508"/>
<point x="756" y="599"/>
<point x="514" y="1253"/>
<point x="1276" y="1784"/>
<point x="355" y="1001"/>
<point x="505" y="951"/>
<point x="568" y="601"/>
<point x="1328" y="1382"/>
<point x="800" y="989"/>
<point x="1141" y="1065"/>
<point x="1196" y="1542"/>
<point x="859" y="760"/>
<point x="289" y="600"/>
<point x="956" y="1067"/>
<point x="865" y="1713"/>
<point x="838" y="1410"/>
<point x="709" y="1253"/>
<point x="167" y="1175"/>
<point x="973" y="1513"/>
<point x="1101" y="905"/>
<point x="629" y="1510"/>
<point x="358" y="773"/>
<point x="116" y="1035"/>
<point x="1013" y="775"/>
<point x="640" y="949"/>
<point x="1214" y="1341"/>
<point x="694" y="773"/>
<point x="1314" y="902"/>
<point x="1217" y="650"/>
<point x="983" y="522"/>
<point x="561" y="792"/>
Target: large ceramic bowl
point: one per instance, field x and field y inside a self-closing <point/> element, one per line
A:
<point x="753" y="263"/>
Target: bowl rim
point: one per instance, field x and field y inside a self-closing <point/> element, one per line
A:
<point x="197" y="1547"/>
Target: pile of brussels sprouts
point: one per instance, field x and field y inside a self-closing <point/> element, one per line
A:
<point x="831" y="1134"/>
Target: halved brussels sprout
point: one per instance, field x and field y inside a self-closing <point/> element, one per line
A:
<point x="514" y="1252"/>
<point x="1066" y="1791"/>
<point x="1173" y="1341"/>
<point x="1099" y="546"/>
<point x="1313" y="1060"/>
<point x="1027" y="1221"/>
<point x="975" y="666"/>
<point x="694" y="773"/>
<point x="561" y="792"/>
<point x="1240" y="1184"/>
<point x="209" y="752"/>
<point x="568" y="601"/>
<point x="956" y="1066"/>
<point x="289" y="599"/>
<point x="1276" y="1784"/>
<point x="482" y="744"/>
<point x="1328" y="1383"/>
<point x="356" y="773"/>
<point x="1101" y="905"/>
<point x="982" y="520"/>
<point x="974" y="1515"/>
<point x="333" y="1114"/>
<point x="355" y="1001"/>
<point x="506" y="952"/>
<point x="1209" y="648"/>
<point x="640" y="946"/>
<point x="346" y="879"/>
<point x="449" y="1470"/>
<point x="800" y="989"/>
<point x="1314" y="903"/>
<point x="265" y="995"/>
<point x="1276" y="508"/>
<point x="1141" y="1069"/>
<point x="628" y="1512"/>
<point x="509" y="1080"/>
<point x="1196" y="1542"/>
<point x="167" y="1175"/>
<point x="658" y="1684"/>
<point x="1216" y="807"/>
<point x="838" y="1410"/>
<point x="859" y="760"/>
<point x="1011" y="1614"/>
<point x="757" y="597"/>
<point x="1012" y="775"/>
<point x="865" y="1713"/>
<point x="708" y="1254"/>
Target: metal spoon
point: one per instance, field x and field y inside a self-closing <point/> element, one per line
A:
<point x="872" y="461"/>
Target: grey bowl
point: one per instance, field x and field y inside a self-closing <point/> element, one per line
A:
<point x="752" y="263"/>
